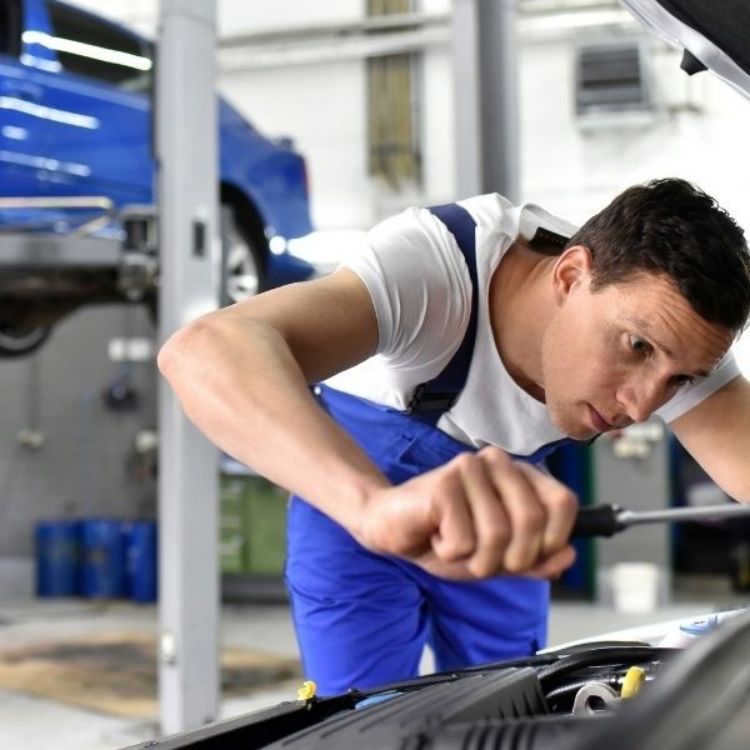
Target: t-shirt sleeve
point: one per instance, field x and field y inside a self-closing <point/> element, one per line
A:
<point x="420" y="288"/>
<point x="690" y="396"/>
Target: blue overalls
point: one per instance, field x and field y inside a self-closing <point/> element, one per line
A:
<point x="363" y="619"/>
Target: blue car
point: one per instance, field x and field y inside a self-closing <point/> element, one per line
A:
<point x="76" y="121"/>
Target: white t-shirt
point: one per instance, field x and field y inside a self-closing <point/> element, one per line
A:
<point x="421" y="291"/>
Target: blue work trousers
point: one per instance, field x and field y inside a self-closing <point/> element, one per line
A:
<point x="363" y="619"/>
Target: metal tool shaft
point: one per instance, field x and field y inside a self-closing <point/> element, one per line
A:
<point x="607" y="520"/>
<point x="671" y="515"/>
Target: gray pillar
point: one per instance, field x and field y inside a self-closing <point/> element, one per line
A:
<point x="485" y="72"/>
<point x="186" y="127"/>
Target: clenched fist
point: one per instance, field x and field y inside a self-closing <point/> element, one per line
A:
<point x="482" y="514"/>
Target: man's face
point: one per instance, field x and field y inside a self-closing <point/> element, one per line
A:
<point x="613" y="356"/>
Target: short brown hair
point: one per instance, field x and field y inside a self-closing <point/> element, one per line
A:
<point x="671" y="227"/>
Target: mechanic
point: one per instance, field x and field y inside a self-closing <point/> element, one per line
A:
<point x="451" y="355"/>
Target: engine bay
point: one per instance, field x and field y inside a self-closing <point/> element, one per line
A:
<point x="616" y="694"/>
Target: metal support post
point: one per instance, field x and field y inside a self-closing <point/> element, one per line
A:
<point x="485" y="73"/>
<point x="186" y="129"/>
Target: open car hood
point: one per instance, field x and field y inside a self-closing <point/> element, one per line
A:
<point x="570" y="698"/>
<point x="713" y="34"/>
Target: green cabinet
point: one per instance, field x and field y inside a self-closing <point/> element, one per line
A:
<point x="252" y="527"/>
<point x="232" y="540"/>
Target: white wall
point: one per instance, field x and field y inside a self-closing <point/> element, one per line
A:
<point x="140" y="15"/>
<point x="437" y="107"/>
<point x="575" y="170"/>
<point x="322" y="107"/>
<point x="252" y="16"/>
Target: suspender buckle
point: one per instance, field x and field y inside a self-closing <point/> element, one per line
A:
<point x="430" y="402"/>
<point x="416" y="398"/>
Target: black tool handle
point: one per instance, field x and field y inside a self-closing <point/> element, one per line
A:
<point x="601" y="520"/>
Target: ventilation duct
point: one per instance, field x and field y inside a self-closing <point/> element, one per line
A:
<point x="611" y="79"/>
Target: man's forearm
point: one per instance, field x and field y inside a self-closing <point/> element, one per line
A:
<point x="239" y="383"/>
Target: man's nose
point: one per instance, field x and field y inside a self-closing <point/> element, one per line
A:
<point x="640" y="399"/>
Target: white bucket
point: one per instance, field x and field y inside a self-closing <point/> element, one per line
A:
<point x="635" y="587"/>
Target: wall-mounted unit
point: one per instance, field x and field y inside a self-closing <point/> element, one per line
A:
<point x="612" y="84"/>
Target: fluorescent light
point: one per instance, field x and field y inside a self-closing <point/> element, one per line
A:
<point x="91" y="51"/>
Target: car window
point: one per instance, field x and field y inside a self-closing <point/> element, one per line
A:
<point x="95" y="48"/>
<point x="10" y="34"/>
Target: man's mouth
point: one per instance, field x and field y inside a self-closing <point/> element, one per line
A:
<point x="598" y="421"/>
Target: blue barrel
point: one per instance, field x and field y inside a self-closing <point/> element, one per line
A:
<point x="140" y="560"/>
<point x="102" y="558"/>
<point x="56" y="544"/>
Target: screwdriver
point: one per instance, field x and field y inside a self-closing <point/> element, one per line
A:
<point x="607" y="520"/>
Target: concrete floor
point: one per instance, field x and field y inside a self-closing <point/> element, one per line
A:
<point x="34" y="724"/>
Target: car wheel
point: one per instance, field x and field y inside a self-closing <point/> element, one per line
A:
<point x="16" y="342"/>
<point x="243" y="266"/>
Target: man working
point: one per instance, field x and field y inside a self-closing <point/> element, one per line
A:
<point x="457" y="350"/>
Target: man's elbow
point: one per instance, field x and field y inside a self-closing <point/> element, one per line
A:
<point x="180" y="350"/>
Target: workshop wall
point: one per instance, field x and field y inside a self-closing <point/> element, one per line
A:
<point x="86" y="465"/>
<point x="575" y="165"/>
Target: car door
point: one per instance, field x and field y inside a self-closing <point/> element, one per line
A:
<point x="22" y="153"/>
<point x="102" y="147"/>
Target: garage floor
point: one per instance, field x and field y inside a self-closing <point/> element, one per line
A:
<point x="35" y="724"/>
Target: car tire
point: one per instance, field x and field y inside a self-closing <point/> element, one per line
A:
<point x="244" y="260"/>
<point x="20" y="342"/>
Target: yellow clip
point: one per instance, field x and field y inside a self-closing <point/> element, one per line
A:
<point x="634" y="679"/>
<point x="307" y="691"/>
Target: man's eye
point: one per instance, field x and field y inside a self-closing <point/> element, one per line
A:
<point x="639" y="346"/>
<point x="681" y="380"/>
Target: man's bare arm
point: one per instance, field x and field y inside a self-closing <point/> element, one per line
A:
<point x="717" y="434"/>
<point x="242" y="372"/>
<point x="242" y="375"/>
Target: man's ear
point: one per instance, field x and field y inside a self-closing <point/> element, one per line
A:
<point x="571" y="269"/>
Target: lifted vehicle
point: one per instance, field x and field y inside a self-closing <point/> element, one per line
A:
<point x="76" y="147"/>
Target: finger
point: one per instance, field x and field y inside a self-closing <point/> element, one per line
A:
<point x="454" y="571"/>
<point x="555" y="565"/>
<point x="550" y="569"/>
<point x="526" y="513"/>
<point x="491" y="522"/>
<point x="561" y="506"/>
<point x="454" y="537"/>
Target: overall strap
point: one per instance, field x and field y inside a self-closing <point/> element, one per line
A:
<point x="433" y="398"/>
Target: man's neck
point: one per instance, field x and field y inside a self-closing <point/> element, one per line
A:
<point x="520" y="307"/>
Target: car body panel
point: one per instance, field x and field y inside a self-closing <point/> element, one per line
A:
<point x="270" y="173"/>
<point x="66" y="134"/>
<point x="714" y="33"/>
